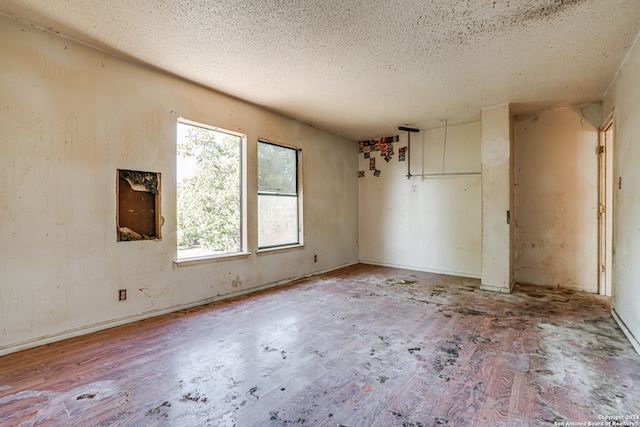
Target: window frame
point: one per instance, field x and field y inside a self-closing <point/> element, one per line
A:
<point x="242" y="252"/>
<point x="298" y="195"/>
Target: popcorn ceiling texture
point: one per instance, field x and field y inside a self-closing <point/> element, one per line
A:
<point x="361" y="68"/>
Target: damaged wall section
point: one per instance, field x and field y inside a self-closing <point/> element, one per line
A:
<point x="138" y="213"/>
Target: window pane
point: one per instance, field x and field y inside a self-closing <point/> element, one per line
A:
<point x="209" y="200"/>
<point x="278" y="219"/>
<point x="277" y="169"/>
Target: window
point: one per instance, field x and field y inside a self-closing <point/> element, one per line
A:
<point x="209" y="190"/>
<point x="278" y="196"/>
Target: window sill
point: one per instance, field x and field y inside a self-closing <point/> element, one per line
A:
<point x="186" y="262"/>
<point x="280" y="249"/>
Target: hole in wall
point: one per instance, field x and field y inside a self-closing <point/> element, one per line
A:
<point x="138" y="210"/>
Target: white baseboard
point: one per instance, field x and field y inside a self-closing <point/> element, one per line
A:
<point x="83" y="330"/>
<point x="632" y="339"/>
<point x="495" y="289"/>
<point x="425" y="270"/>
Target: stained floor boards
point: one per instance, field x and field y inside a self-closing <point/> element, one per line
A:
<point x="361" y="346"/>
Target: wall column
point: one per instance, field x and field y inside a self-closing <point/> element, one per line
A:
<point x="498" y="217"/>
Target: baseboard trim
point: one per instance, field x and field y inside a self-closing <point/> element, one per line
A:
<point x="95" y="327"/>
<point x="495" y="289"/>
<point x="425" y="270"/>
<point x="632" y="339"/>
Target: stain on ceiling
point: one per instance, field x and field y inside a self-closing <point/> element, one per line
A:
<point x="361" y="68"/>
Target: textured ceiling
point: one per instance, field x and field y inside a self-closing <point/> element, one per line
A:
<point x="361" y="68"/>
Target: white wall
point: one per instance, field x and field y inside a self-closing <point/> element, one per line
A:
<point x="556" y="197"/>
<point x="624" y="96"/>
<point x="429" y="224"/>
<point x="70" y="117"/>
<point x="497" y="199"/>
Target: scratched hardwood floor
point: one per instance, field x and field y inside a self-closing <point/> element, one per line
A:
<point x="361" y="346"/>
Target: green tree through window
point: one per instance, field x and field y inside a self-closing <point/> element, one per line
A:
<point x="209" y="195"/>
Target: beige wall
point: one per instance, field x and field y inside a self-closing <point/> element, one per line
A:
<point x="425" y="223"/>
<point x="70" y="116"/>
<point x="624" y="98"/>
<point x="556" y="197"/>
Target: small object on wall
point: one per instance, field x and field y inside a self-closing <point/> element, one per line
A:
<point x="387" y="152"/>
<point x="360" y="174"/>
<point x="383" y="145"/>
<point x="389" y="139"/>
<point x="138" y="205"/>
<point x="401" y="154"/>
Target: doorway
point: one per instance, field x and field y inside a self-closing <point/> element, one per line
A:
<point x="605" y="207"/>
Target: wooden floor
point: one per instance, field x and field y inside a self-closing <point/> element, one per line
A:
<point x="362" y="346"/>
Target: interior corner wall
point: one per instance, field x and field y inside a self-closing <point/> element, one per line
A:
<point x="71" y="116"/>
<point x="424" y="223"/>
<point x="556" y="197"/>
<point x="623" y="98"/>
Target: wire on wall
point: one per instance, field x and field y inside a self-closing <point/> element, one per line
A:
<point x="444" y="145"/>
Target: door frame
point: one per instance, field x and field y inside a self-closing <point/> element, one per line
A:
<point x="605" y="206"/>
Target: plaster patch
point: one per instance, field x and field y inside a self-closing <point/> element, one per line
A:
<point x="495" y="151"/>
